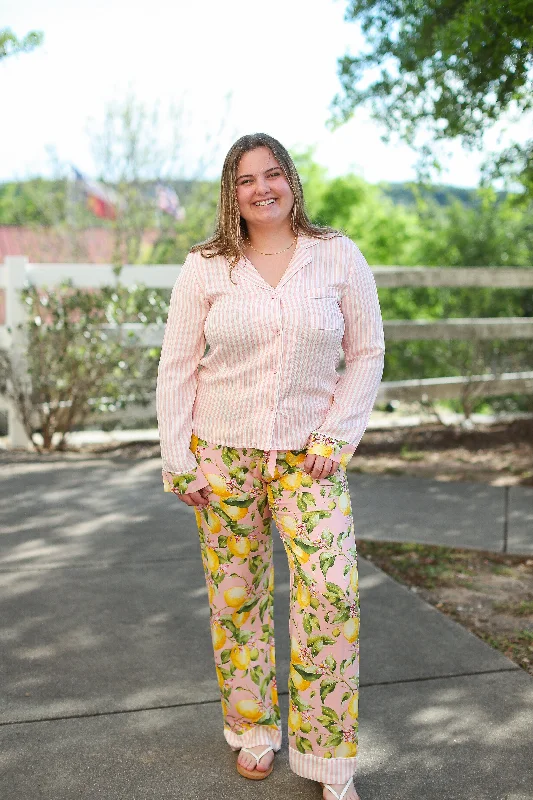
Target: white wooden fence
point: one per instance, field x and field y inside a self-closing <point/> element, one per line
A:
<point x="16" y="270"/>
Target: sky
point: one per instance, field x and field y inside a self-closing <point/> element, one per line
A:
<point x="236" y="67"/>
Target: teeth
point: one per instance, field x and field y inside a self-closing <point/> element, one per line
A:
<point x="264" y="202"/>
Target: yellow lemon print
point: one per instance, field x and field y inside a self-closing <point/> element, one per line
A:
<point x="218" y="635"/>
<point x="300" y="683"/>
<point x="235" y="596"/>
<point x="296" y="656"/>
<point x="291" y="482"/>
<point x="344" y="503"/>
<point x="249" y="709"/>
<point x="274" y="695"/>
<point x="353" y="706"/>
<point x="271" y="580"/>
<point x="350" y="629"/>
<point x="198" y="517"/>
<point x="354" y="578"/>
<point x="300" y="554"/>
<point x="295" y="719"/>
<point x="293" y="459"/>
<point x="272" y="654"/>
<point x="289" y="525"/>
<point x="210" y="592"/>
<point x="320" y="449"/>
<point x="303" y="595"/>
<point x="218" y="485"/>
<point x="240" y="617"/>
<point x="194" y="443"/>
<point x="234" y="512"/>
<point x="220" y="678"/>
<point x="213" y="562"/>
<point x="346" y="750"/>
<point x="238" y="546"/>
<point x="240" y="656"/>
<point x="213" y="522"/>
<point x="290" y="559"/>
<point x="345" y="458"/>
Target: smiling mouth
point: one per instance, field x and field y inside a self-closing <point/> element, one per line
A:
<point x="268" y="202"/>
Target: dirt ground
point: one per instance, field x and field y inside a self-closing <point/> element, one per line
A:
<point x="491" y="594"/>
<point x="500" y="454"/>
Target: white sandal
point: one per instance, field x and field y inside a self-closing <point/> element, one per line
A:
<point x="330" y="788"/>
<point x="256" y="774"/>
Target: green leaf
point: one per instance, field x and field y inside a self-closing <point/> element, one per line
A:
<point x="307" y="548"/>
<point x="248" y="605"/>
<point x="225" y="655"/>
<point x="330" y="712"/>
<point x="326" y="561"/>
<point x="309" y="673"/>
<point x="330" y="661"/>
<point x="327" y="686"/>
<point x="343" y="615"/>
<point x="303" y="744"/>
<point x="307" y="624"/>
<point x="243" y="636"/>
<point x="240" y="502"/>
<point x="301" y="503"/>
<point x="333" y="740"/>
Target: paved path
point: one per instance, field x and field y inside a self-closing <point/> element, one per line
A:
<point x="107" y="681"/>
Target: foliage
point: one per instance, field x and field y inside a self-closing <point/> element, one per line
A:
<point x="70" y="366"/>
<point x="449" y="67"/>
<point x="10" y="45"/>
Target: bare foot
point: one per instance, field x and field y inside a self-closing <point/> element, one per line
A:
<point x="247" y="761"/>
<point x="351" y="794"/>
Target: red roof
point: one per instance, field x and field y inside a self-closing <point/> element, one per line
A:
<point x="46" y="245"/>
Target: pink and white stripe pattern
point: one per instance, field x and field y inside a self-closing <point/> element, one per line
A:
<point x="269" y="379"/>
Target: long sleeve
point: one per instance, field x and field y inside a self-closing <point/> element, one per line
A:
<point x="177" y="379"/>
<point x="364" y="348"/>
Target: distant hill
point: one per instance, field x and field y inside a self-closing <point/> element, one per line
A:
<point x="401" y="193"/>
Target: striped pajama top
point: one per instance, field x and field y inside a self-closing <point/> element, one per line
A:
<point x="269" y="379"/>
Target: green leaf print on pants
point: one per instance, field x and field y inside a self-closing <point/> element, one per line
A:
<point x="314" y="519"/>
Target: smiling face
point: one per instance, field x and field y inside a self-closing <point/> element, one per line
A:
<point x="263" y="192"/>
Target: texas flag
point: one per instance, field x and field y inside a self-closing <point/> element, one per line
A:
<point x="103" y="202"/>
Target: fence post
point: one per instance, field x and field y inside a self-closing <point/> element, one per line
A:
<point x="15" y="315"/>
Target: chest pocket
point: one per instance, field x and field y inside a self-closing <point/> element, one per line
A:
<point x="320" y="310"/>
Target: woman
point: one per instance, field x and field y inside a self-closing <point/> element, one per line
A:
<point x="263" y="426"/>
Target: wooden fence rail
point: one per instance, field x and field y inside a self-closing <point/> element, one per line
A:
<point x="16" y="270"/>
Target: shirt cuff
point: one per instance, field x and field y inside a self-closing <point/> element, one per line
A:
<point x="319" y="444"/>
<point x="184" y="482"/>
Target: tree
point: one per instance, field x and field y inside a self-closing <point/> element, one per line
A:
<point x="135" y="148"/>
<point x="453" y="67"/>
<point x="10" y="45"/>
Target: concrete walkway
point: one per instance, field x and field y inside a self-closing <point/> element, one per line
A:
<point x="107" y="685"/>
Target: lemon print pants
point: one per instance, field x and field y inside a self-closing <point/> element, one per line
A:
<point x="249" y="488"/>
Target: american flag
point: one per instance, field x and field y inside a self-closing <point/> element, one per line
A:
<point x="168" y="202"/>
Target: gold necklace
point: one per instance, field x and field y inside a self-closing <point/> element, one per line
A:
<point x="277" y="251"/>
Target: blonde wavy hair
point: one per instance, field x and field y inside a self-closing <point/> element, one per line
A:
<point x="231" y="229"/>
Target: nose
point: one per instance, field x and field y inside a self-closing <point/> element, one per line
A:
<point x="262" y="185"/>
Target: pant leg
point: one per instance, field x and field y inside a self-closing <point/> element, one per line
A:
<point x="236" y="546"/>
<point x="316" y="526"/>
